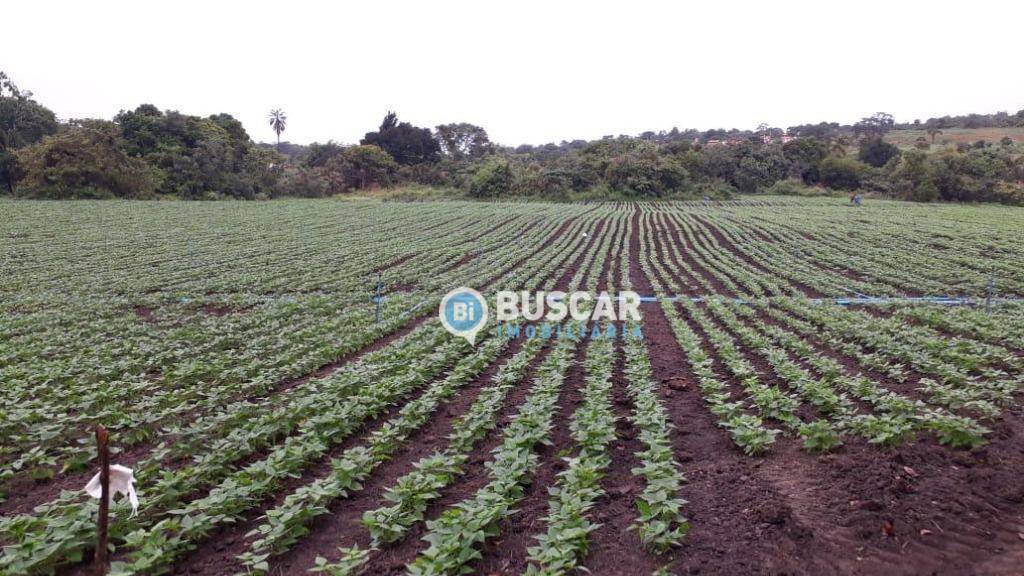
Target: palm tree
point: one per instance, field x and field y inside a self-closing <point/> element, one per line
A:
<point x="278" y="121"/>
<point x="933" y="132"/>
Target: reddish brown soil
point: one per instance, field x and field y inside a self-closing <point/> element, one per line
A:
<point x="507" y="554"/>
<point x="392" y="559"/>
<point x="738" y="519"/>
<point x="918" y="509"/>
<point x="145" y="314"/>
<point x="728" y="243"/>
<point x="686" y="250"/>
<point x="217" y="555"/>
<point x="850" y="364"/>
<point x="615" y="547"/>
<point x="734" y="387"/>
<point x="395" y="263"/>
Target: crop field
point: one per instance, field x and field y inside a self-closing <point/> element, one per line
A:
<point x="275" y="425"/>
<point x="908" y="138"/>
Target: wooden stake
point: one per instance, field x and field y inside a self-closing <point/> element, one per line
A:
<point x="100" y="560"/>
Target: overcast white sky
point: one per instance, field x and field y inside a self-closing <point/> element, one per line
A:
<point x="529" y="72"/>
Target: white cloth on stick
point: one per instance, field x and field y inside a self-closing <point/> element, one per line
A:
<point x="122" y="481"/>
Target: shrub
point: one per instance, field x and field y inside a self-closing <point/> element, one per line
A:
<point x="646" y="174"/>
<point x="493" y="179"/>
<point x="10" y="170"/>
<point x="366" y="166"/>
<point x="841" y="173"/>
<point x="876" y="152"/>
<point x="84" y="161"/>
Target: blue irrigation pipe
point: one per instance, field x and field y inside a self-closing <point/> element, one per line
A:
<point x="846" y="301"/>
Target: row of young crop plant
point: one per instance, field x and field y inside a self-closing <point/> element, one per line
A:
<point x="732" y="271"/>
<point x="742" y="265"/>
<point x="970" y="375"/>
<point x="564" y="545"/>
<point x="550" y="265"/>
<point x="454" y="537"/>
<point x="156" y="547"/>
<point x="747" y="430"/>
<point x="412" y="493"/>
<point x="792" y="264"/>
<point x="1005" y="327"/>
<point x="660" y="521"/>
<point x="40" y="429"/>
<point x="964" y="255"/>
<point x="140" y="423"/>
<point x="800" y="260"/>
<point x="59" y="531"/>
<point x="770" y="400"/>
<point x="577" y="487"/>
<point x="960" y="351"/>
<point x="286" y="523"/>
<point x="570" y="496"/>
<point x="195" y="256"/>
<point x="899" y="417"/>
<point x="45" y="538"/>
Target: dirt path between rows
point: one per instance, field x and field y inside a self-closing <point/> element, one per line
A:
<point x="920" y="508"/>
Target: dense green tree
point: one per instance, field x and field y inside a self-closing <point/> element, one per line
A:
<point x="841" y="173"/>
<point x="492" y="179"/>
<point x="536" y="180"/>
<point x="876" y="152"/>
<point x="319" y="154"/>
<point x="759" y="167"/>
<point x="10" y="169"/>
<point x="198" y="157"/>
<point x="914" y="178"/>
<point x="645" y="173"/>
<point x="720" y="162"/>
<point x="405" y="143"/>
<point x="366" y="167"/>
<point x="874" y="126"/>
<point x="85" y="160"/>
<point x="804" y="156"/>
<point x="823" y="131"/>
<point x="23" y="121"/>
<point x="462" y="140"/>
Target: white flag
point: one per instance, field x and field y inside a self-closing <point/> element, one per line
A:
<point x="122" y="481"/>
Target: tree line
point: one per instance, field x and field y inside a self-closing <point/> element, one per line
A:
<point x="152" y="153"/>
